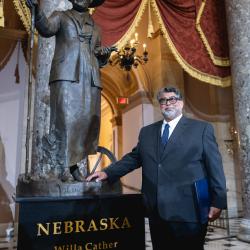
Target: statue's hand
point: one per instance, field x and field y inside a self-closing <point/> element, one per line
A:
<point x="103" y="54"/>
<point x="113" y="48"/>
<point x="106" y="51"/>
<point x="32" y="3"/>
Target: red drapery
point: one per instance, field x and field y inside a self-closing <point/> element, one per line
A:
<point x="194" y="29"/>
<point x="179" y="18"/>
<point x="213" y="24"/>
<point x="115" y="17"/>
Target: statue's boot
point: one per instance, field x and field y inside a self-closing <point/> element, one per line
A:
<point x="66" y="176"/>
<point x="77" y="175"/>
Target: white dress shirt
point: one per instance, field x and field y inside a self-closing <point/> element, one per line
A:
<point x="172" y="124"/>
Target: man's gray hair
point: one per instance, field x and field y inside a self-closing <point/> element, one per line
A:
<point x="169" y="90"/>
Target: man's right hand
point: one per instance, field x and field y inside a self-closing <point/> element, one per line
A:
<point x="31" y="3"/>
<point x="97" y="176"/>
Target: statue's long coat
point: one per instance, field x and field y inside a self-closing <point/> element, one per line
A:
<point x="75" y="86"/>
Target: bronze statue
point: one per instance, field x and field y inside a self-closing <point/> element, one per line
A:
<point x="75" y="87"/>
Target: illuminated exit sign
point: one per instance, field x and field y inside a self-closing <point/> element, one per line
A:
<point x="122" y="100"/>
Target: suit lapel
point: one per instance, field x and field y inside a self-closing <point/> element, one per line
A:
<point x="175" y="136"/>
<point x="157" y="141"/>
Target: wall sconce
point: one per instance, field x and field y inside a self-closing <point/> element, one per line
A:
<point x="233" y="131"/>
<point x="126" y="57"/>
<point x="230" y="142"/>
<point x="229" y="146"/>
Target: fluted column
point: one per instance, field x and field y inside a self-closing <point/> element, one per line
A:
<point x="41" y="103"/>
<point x="238" y="20"/>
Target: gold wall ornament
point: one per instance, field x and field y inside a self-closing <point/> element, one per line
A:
<point x="1" y="13"/>
<point x="230" y="143"/>
<point x="229" y="146"/>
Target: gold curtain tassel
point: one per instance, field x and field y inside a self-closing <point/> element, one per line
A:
<point x="150" y="23"/>
<point x="17" y="74"/>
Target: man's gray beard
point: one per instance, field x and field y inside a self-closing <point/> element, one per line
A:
<point x="169" y="114"/>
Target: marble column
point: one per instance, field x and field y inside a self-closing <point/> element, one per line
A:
<point x="238" y="21"/>
<point x="41" y="102"/>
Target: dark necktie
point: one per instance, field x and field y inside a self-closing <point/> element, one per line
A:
<point x="164" y="137"/>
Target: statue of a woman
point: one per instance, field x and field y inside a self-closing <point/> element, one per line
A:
<point x="75" y="87"/>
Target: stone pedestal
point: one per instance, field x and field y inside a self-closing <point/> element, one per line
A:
<point x="53" y="187"/>
<point x="89" y="222"/>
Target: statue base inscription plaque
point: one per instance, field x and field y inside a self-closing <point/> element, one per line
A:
<point x="91" y="222"/>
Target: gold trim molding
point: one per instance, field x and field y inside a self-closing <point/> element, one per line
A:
<point x="219" y="61"/>
<point x="24" y="13"/>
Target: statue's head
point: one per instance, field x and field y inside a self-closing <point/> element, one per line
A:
<point x="87" y="3"/>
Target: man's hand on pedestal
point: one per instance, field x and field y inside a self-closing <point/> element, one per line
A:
<point x="97" y="176"/>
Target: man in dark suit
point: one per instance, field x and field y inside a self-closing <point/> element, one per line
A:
<point x="172" y="160"/>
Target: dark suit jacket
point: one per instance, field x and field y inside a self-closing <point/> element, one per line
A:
<point x="64" y="26"/>
<point x="167" y="179"/>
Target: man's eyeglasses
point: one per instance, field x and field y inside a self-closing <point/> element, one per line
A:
<point x="170" y="100"/>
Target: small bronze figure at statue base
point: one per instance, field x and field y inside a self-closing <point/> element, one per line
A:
<point x="49" y="185"/>
<point x="33" y="187"/>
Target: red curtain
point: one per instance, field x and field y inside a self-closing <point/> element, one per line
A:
<point x="213" y="23"/>
<point x="115" y="17"/>
<point x="196" y="30"/>
<point x="179" y="17"/>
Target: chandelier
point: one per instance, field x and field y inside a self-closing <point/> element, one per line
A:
<point x="127" y="57"/>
